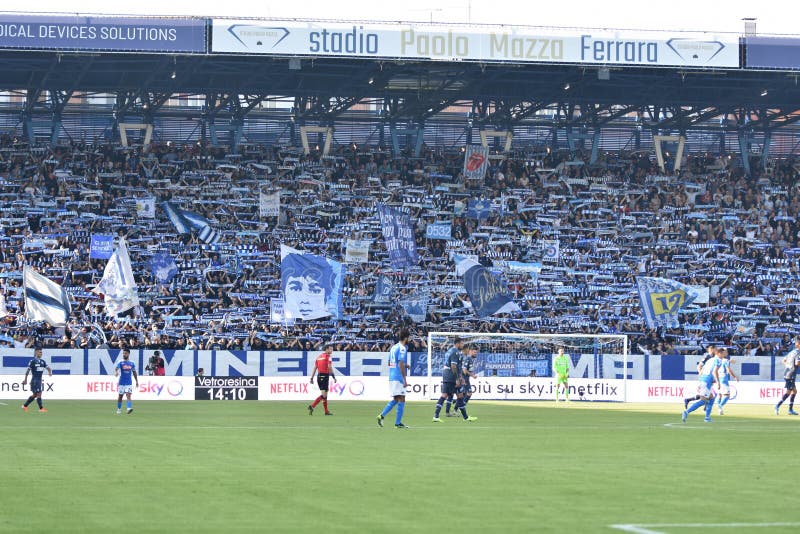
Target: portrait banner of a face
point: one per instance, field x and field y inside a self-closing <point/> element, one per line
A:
<point x="311" y="285"/>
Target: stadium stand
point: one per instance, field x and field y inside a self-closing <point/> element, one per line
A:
<point x="712" y="225"/>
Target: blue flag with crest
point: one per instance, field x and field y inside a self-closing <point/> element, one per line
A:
<point x="479" y="208"/>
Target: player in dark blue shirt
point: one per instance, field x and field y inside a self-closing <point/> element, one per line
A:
<point x="467" y="362"/>
<point x="36" y="368"/>
<point x="446" y="371"/>
<point x="452" y="380"/>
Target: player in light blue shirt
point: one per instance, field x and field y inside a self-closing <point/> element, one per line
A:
<point x="725" y="374"/>
<point x="398" y="367"/>
<point x="709" y="375"/>
<point x="126" y="371"/>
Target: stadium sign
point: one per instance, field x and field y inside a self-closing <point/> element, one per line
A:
<point x="108" y="34"/>
<point x="472" y="43"/>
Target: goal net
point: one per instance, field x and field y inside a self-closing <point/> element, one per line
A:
<point x="595" y="360"/>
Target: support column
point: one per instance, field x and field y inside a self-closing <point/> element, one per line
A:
<point x="744" y="150"/>
<point x="415" y="134"/>
<point x="573" y="138"/>
<point x="765" y="148"/>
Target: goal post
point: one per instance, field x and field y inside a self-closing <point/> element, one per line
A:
<point x="514" y="357"/>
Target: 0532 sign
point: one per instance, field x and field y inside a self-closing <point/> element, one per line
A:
<point x="438" y="231"/>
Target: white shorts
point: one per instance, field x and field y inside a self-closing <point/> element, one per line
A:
<point x="122" y="390"/>
<point x="396" y="388"/>
<point x="704" y="391"/>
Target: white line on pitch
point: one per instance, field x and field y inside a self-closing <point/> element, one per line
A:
<point x="636" y="529"/>
<point x="647" y="529"/>
<point x="723" y="427"/>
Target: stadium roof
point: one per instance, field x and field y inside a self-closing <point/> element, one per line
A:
<point x="327" y="87"/>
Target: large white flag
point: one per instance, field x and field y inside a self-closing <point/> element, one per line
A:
<point x="117" y="285"/>
<point x="269" y="205"/>
<point x="44" y="299"/>
<point x="357" y="251"/>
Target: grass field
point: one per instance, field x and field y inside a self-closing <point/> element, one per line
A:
<point x="269" y="467"/>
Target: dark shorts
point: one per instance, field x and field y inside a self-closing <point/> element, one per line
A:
<point x="322" y="381"/>
<point x="789" y="383"/>
<point x="466" y="389"/>
<point x="449" y="388"/>
<point x="36" y="386"/>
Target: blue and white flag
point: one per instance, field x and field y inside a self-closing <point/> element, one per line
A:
<point x="117" y="285"/>
<point x="44" y="299"/>
<point x="311" y="285"/>
<point x="487" y="293"/>
<point x="479" y="208"/>
<point x="532" y="268"/>
<point x="384" y="290"/>
<point x="163" y="267"/>
<point x="398" y="234"/>
<point x="550" y="249"/>
<point x="101" y="246"/>
<point x="745" y="328"/>
<point x="661" y="300"/>
<point x="439" y="230"/>
<point x="187" y="222"/>
<point x="416" y="306"/>
<point x="146" y="208"/>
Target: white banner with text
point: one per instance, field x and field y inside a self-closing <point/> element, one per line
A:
<point x="485" y="43"/>
<point x="99" y="387"/>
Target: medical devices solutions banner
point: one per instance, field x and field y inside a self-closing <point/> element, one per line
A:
<point x="98" y="33"/>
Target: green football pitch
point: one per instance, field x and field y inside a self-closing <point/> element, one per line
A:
<point x="269" y="467"/>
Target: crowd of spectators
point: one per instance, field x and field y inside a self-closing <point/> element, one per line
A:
<point x="709" y="225"/>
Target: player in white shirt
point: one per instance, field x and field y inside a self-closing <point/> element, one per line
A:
<point x="790" y="363"/>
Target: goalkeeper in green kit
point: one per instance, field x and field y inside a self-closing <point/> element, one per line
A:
<point x="561" y="373"/>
